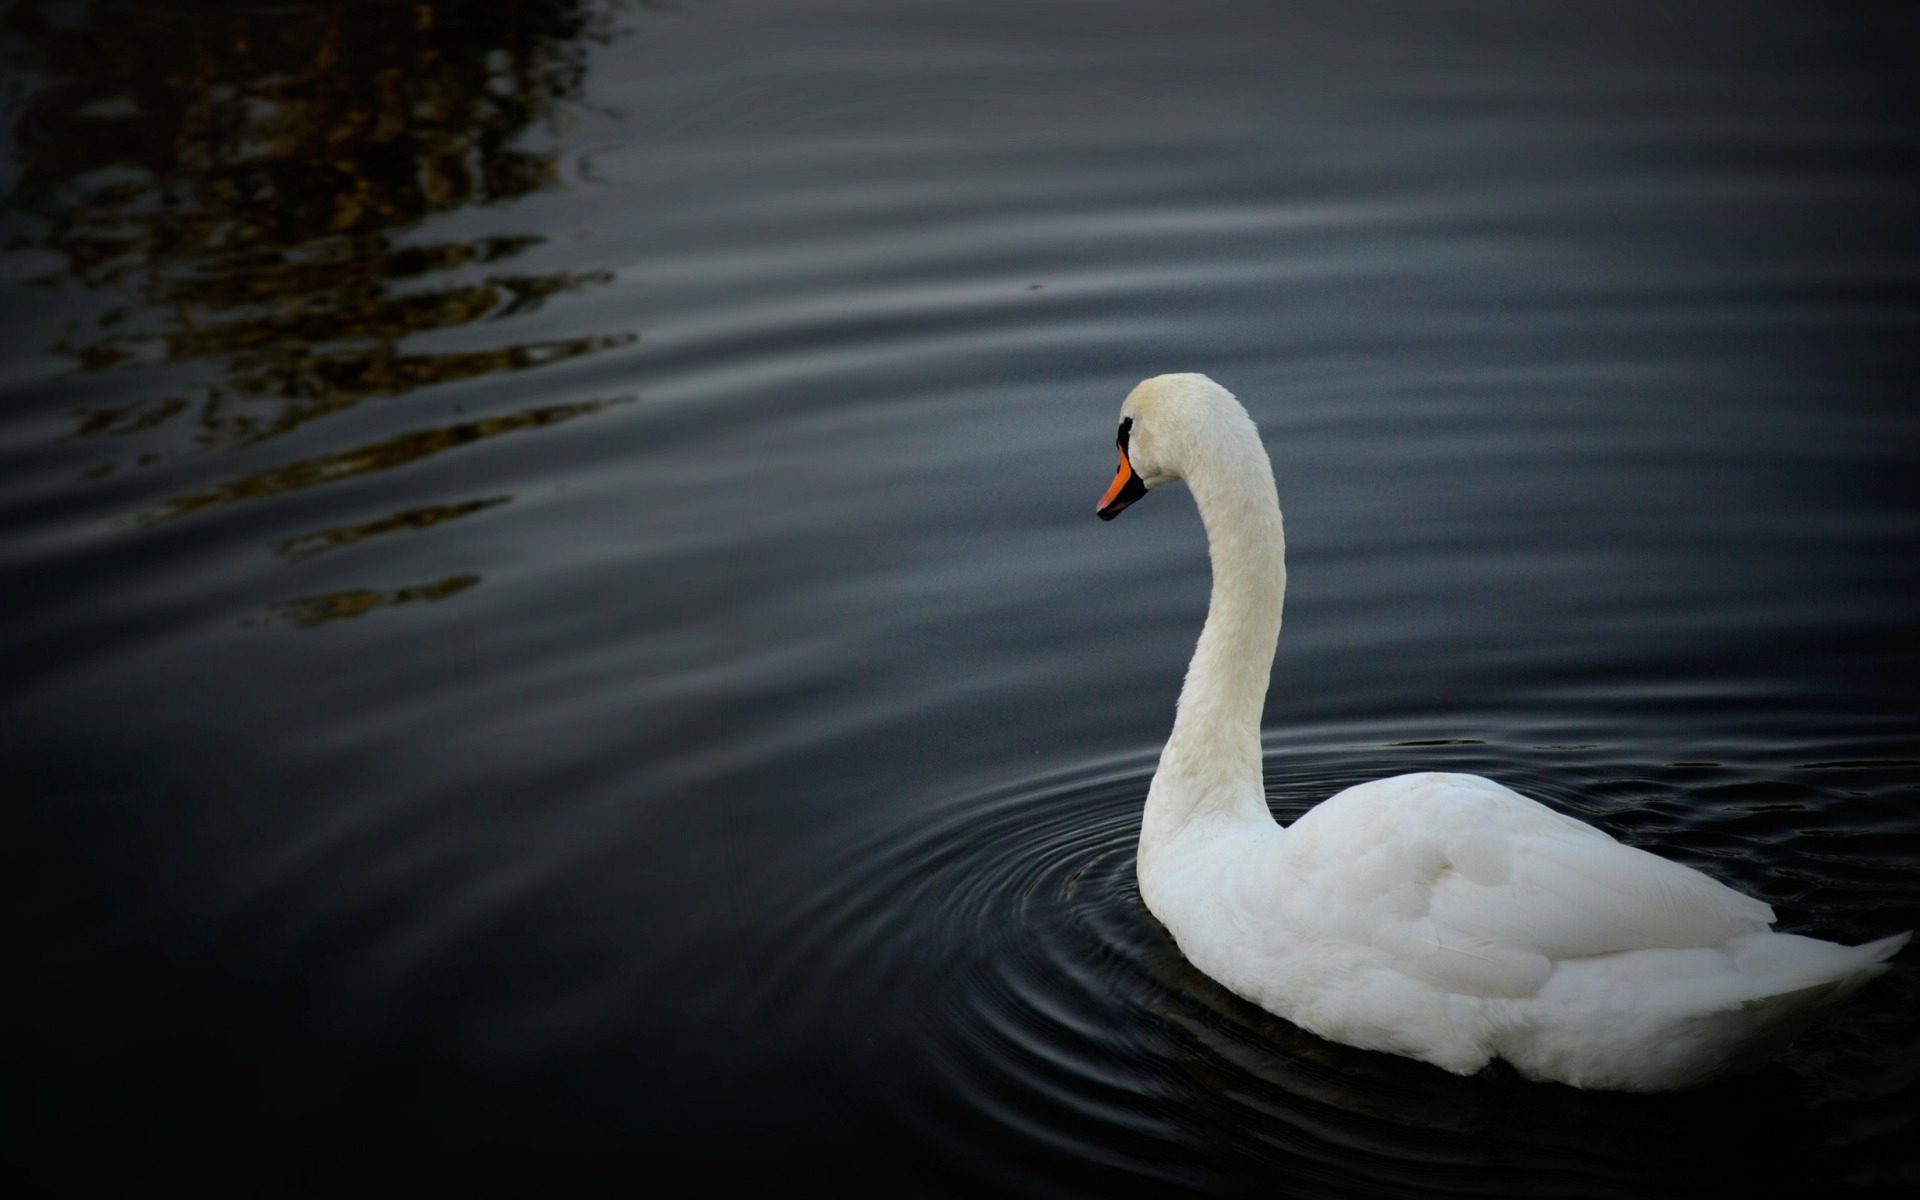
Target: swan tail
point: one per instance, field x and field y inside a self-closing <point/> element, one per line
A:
<point x="1872" y="958"/>
<point x="1887" y="947"/>
<point x="1803" y="977"/>
<point x="1783" y="965"/>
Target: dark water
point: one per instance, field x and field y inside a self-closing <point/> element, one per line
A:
<point x="556" y="633"/>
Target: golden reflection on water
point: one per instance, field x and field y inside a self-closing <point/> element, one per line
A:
<point x="311" y="611"/>
<point x="318" y="542"/>
<point x="378" y="456"/>
<point x="232" y="183"/>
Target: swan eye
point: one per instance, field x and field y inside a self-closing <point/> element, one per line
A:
<point x="1126" y="432"/>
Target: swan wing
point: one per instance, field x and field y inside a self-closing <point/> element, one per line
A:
<point x="1476" y="889"/>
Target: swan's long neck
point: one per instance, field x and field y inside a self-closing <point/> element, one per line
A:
<point x="1211" y="764"/>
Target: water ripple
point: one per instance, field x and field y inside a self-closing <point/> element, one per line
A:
<point x="1055" y="1012"/>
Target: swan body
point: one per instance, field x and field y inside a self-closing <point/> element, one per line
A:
<point x="1438" y="916"/>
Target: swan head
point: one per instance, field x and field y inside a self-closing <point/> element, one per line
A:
<point x="1169" y="425"/>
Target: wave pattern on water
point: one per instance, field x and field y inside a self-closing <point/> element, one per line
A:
<point x="1066" y="1020"/>
<point x="649" y="746"/>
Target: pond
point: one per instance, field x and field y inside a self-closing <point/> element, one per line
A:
<point x="557" y="636"/>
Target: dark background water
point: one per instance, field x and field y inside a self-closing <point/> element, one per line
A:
<point x="555" y="633"/>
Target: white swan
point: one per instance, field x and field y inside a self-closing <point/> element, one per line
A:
<point x="1438" y="916"/>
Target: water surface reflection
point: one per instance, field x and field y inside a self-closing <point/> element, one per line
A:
<point x="461" y="738"/>
<point x="239" y="187"/>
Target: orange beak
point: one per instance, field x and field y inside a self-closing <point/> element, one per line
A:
<point x="1125" y="490"/>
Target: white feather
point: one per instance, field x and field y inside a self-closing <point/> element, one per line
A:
<point x="1439" y="916"/>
